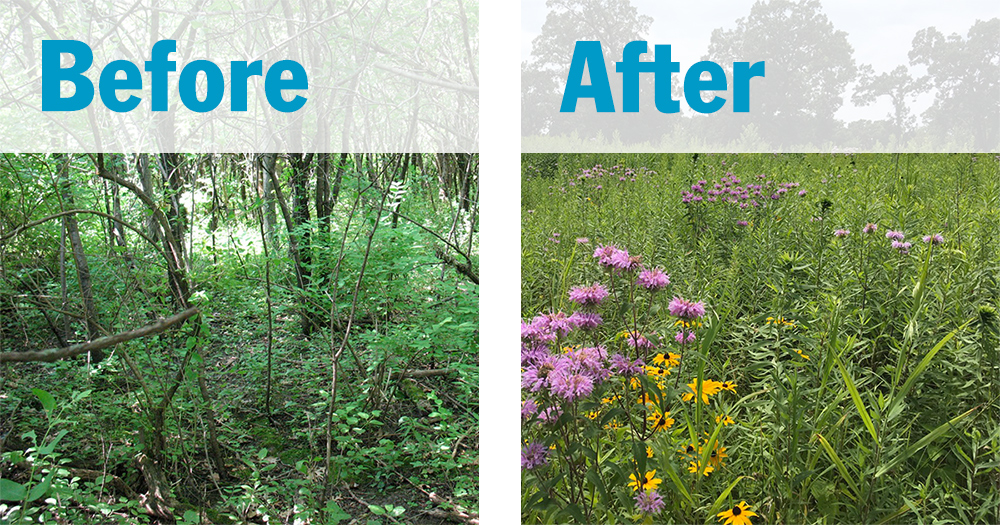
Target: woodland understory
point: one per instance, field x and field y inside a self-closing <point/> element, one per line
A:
<point x="239" y="338"/>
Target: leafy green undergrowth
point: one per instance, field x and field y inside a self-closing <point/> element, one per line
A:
<point x="394" y="441"/>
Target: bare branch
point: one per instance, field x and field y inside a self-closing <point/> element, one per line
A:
<point x="55" y="354"/>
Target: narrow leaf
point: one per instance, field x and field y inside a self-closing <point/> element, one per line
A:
<point x="856" y="396"/>
<point x="722" y="497"/>
<point x="844" y="473"/>
<point x="910" y="381"/>
<point x="924" y="441"/>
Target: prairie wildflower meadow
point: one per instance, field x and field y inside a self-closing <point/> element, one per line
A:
<point x="748" y="339"/>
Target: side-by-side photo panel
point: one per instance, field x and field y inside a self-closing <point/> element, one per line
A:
<point x="759" y="338"/>
<point x="239" y="338"/>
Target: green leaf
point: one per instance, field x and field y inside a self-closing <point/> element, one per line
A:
<point x="722" y="497"/>
<point x="856" y="396"/>
<point x="47" y="449"/>
<point x="39" y="490"/>
<point x="335" y="514"/>
<point x="844" y="473"/>
<point x="376" y="510"/>
<point x="11" y="491"/>
<point x="923" y="442"/>
<point x="910" y="381"/>
<point x="48" y="402"/>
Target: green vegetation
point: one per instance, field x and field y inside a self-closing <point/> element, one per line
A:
<point x="826" y="355"/>
<point x="308" y="348"/>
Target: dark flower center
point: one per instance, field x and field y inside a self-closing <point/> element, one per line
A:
<point x="737" y="511"/>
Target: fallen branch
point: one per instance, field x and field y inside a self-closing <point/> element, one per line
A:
<point x="462" y="268"/>
<point x="398" y="374"/>
<point x="456" y="513"/>
<point x="55" y="354"/>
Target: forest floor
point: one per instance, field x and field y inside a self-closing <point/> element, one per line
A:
<point x="398" y="442"/>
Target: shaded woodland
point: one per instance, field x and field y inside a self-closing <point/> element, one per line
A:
<point x="239" y="338"/>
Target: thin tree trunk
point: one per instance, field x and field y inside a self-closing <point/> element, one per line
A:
<point x="80" y="259"/>
<point x="299" y="237"/>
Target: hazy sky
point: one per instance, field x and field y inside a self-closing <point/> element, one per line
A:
<point x="880" y="32"/>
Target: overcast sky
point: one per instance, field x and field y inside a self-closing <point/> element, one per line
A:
<point x="880" y="32"/>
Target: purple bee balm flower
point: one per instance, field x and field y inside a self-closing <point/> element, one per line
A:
<point x="622" y="261"/>
<point x="569" y="385"/>
<point x="536" y="376"/>
<point x="841" y="233"/>
<point x="603" y="254"/>
<point x="653" y="279"/>
<point x="622" y="366"/>
<point x="588" y="295"/>
<point x="742" y="224"/>
<point x="638" y="341"/>
<point x="556" y="322"/>
<point x="587" y="320"/>
<point x="532" y="354"/>
<point x="646" y="502"/>
<point x="588" y="361"/>
<point x="894" y="234"/>
<point x="534" y="455"/>
<point x="537" y="331"/>
<point x="903" y="247"/>
<point x="685" y="309"/>
<point x="582" y="240"/>
<point x="870" y="228"/>
<point x="684" y="338"/>
<point x="934" y="239"/>
<point x="528" y="408"/>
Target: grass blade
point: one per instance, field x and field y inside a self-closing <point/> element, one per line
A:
<point x="924" y="441"/>
<point x="844" y="473"/>
<point x="856" y="396"/>
<point x="722" y="497"/>
<point x="910" y="381"/>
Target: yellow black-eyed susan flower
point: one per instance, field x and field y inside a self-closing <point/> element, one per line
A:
<point x="649" y="482"/>
<point x="695" y="466"/>
<point x="661" y="421"/>
<point x="708" y="388"/>
<point x="717" y="455"/>
<point x="725" y="419"/>
<point x="738" y="515"/>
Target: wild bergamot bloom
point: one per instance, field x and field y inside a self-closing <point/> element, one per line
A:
<point x="661" y="421"/>
<point x="649" y="502"/>
<point x="649" y="482"/>
<point x="738" y="515"/>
